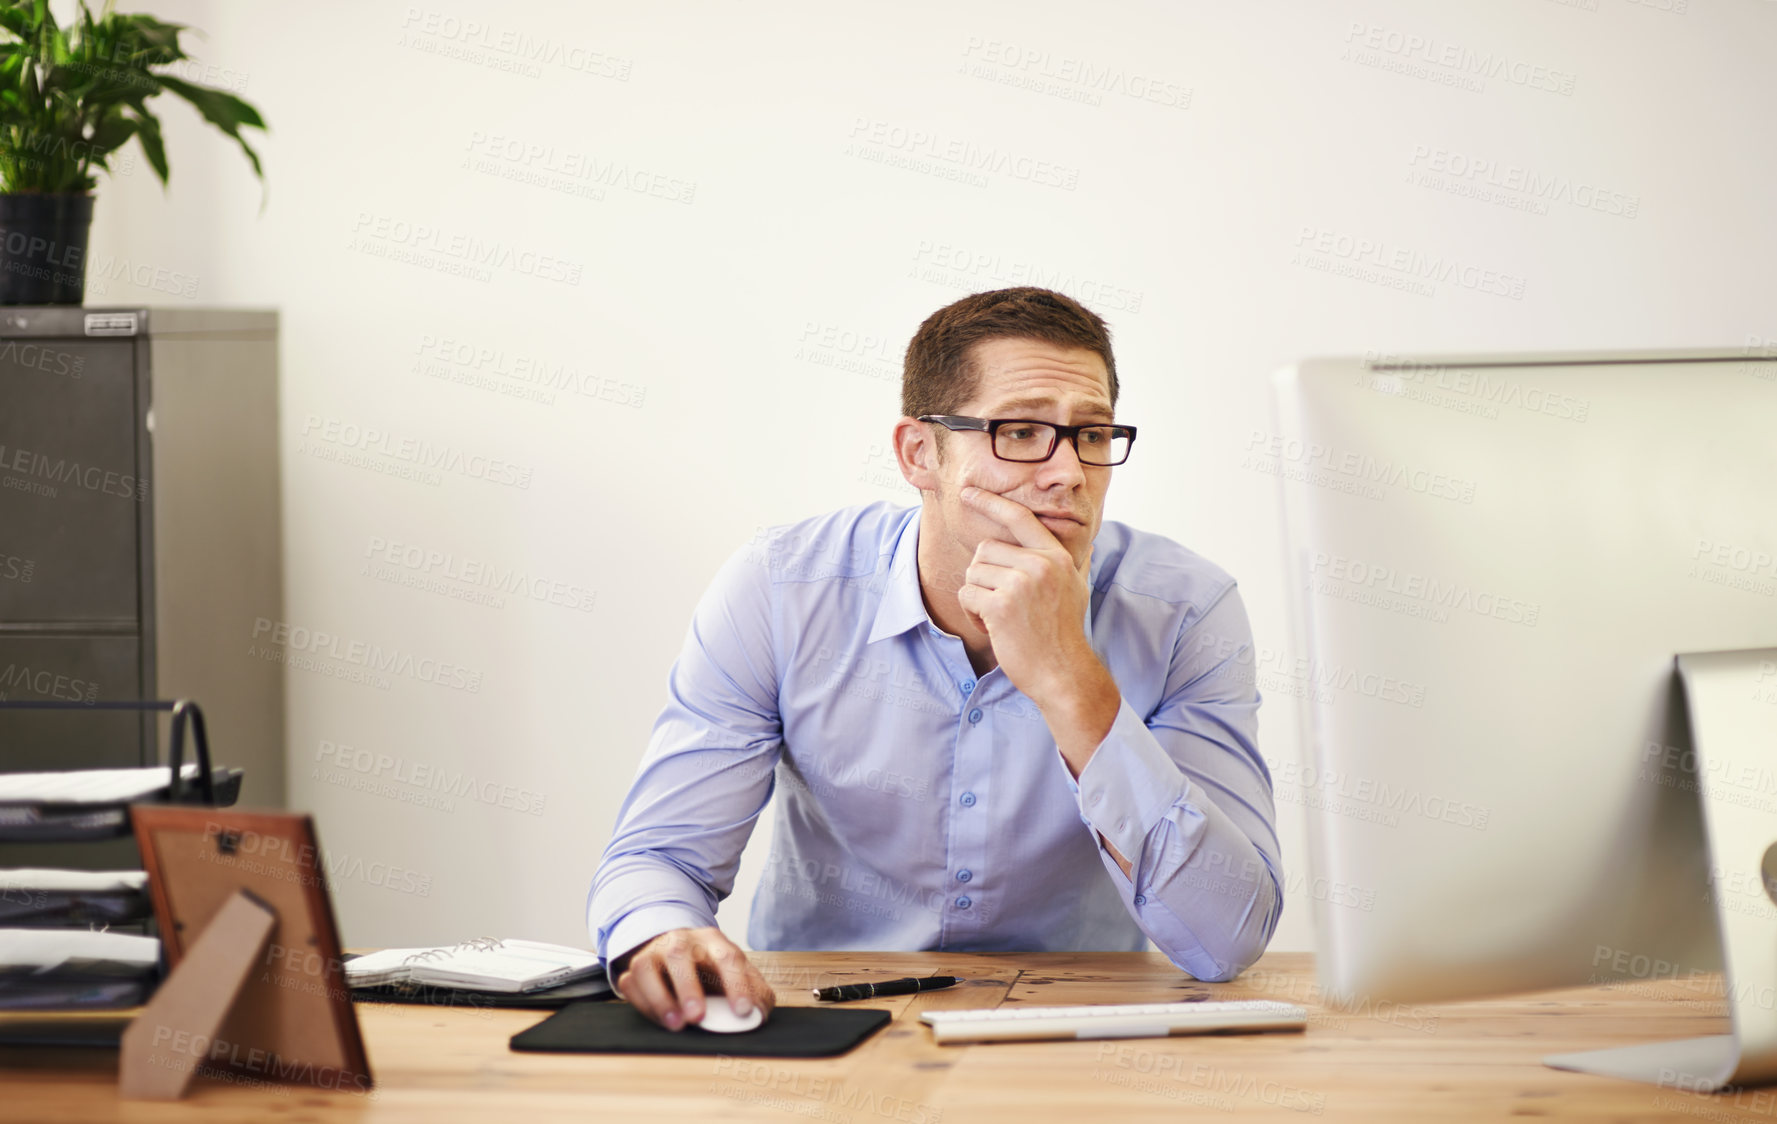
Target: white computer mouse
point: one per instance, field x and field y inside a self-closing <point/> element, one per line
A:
<point x="719" y="1017"/>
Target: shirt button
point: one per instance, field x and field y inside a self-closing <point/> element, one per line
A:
<point x="967" y="685"/>
<point x="975" y="715"/>
<point x="964" y="902"/>
<point x="1140" y="900"/>
<point x="964" y="874"/>
<point x="968" y="799"/>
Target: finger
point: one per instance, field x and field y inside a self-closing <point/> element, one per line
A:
<point x="648" y="993"/>
<point x="1002" y="553"/>
<point x="989" y="576"/>
<point x="681" y="967"/>
<point x="1086" y="563"/>
<point x="761" y="990"/>
<point x="730" y="966"/>
<point x="972" y="598"/>
<point x="1025" y="527"/>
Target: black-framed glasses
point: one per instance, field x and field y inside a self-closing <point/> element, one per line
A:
<point x="1029" y="442"/>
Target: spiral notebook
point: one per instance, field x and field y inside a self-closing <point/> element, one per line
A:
<point x="485" y="964"/>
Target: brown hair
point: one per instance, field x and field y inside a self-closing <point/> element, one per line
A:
<point x="939" y="374"/>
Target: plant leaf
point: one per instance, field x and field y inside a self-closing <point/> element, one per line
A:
<point x="15" y="20"/>
<point x="111" y="133"/>
<point x="228" y="109"/>
<point x="155" y="33"/>
<point x="148" y="133"/>
<point x="223" y="110"/>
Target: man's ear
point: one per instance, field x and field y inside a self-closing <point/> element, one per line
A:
<point x="916" y="451"/>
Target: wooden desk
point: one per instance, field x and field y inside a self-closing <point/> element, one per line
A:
<point x="1447" y="1062"/>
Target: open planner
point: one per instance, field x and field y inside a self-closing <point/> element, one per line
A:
<point x="480" y="965"/>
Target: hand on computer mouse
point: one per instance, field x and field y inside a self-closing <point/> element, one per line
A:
<point x="666" y="979"/>
<point x="720" y="1017"/>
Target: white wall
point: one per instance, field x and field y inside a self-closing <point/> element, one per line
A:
<point x="720" y="311"/>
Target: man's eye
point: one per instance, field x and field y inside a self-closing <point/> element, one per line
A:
<point x="1019" y="432"/>
<point x="1095" y="436"/>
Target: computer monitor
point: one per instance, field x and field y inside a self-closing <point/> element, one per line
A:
<point x="1494" y="562"/>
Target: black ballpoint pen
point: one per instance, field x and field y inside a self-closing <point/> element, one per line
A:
<point x="905" y="986"/>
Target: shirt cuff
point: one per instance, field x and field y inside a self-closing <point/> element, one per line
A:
<point x="1129" y="784"/>
<point x="642" y="925"/>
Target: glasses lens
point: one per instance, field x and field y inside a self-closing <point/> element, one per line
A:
<point x="1103" y="444"/>
<point x="1024" y="441"/>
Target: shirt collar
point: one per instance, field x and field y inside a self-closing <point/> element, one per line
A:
<point x="903" y="604"/>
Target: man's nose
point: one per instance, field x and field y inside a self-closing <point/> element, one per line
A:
<point x="1063" y="466"/>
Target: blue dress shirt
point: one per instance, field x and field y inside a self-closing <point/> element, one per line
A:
<point x="923" y="807"/>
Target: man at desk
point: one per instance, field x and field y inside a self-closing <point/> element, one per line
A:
<point x="993" y="721"/>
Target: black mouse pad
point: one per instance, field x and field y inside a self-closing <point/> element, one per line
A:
<point x="618" y="1028"/>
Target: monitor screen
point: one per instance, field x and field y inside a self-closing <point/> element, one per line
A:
<point x="1494" y="562"/>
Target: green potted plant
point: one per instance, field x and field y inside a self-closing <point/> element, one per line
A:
<point x="69" y="99"/>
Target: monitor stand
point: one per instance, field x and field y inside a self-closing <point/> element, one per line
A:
<point x="1732" y="700"/>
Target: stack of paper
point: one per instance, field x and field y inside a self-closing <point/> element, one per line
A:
<point x="79" y="897"/>
<point x="94" y="803"/>
<point x="70" y="969"/>
<point x="89" y="786"/>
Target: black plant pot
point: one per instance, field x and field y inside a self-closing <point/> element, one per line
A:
<point x="43" y="248"/>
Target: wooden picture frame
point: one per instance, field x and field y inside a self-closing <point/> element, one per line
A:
<point x="257" y="992"/>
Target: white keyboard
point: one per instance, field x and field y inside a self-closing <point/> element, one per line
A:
<point x="1120" y="1020"/>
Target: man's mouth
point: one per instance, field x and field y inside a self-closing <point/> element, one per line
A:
<point x="1060" y="519"/>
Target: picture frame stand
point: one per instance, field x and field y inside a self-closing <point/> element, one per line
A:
<point x="171" y="1039"/>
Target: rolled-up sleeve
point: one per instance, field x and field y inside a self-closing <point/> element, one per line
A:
<point x="1184" y="794"/>
<point x="706" y="777"/>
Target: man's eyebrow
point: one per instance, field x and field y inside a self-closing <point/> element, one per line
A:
<point x="1089" y="409"/>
